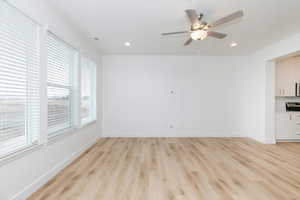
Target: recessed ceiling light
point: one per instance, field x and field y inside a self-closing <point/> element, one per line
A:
<point x="127" y="44"/>
<point x="94" y="38"/>
<point x="233" y="44"/>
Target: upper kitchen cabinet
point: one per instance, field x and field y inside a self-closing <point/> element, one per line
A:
<point x="288" y="77"/>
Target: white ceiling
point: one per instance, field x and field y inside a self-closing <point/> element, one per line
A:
<point x="141" y="22"/>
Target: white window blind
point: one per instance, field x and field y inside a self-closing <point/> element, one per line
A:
<point x="19" y="80"/>
<point x="88" y="91"/>
<point x="61" y="59"/>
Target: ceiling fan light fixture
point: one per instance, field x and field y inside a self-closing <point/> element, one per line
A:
<point x="199" y="35"/>
<point x="200" y="29"/>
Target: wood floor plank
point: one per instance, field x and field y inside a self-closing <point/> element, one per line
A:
<point x="179" y="169"/>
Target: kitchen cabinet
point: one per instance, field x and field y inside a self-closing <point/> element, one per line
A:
<point x="287" y="75"/>
<point x="288" y="125"/>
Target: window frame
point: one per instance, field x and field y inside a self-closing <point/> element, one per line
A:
<point x="71" y="88"/>
<point x="61" y="131"/>
<point x="34" y="143"/>
<point x="93" y="68"/>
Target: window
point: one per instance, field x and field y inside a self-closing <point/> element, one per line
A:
<point x="19" y="80"/>
<point x="61" y="61"/>
<point x="88" y="91"/>
<point x="40" y="85"/>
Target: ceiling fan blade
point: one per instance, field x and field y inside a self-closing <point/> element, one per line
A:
<point x="189" y="41"/>
<point x="193" y="16"/>
<point x="228" y="18"/>
<point x="174" y="33"/>
<point x="216" y="34"/>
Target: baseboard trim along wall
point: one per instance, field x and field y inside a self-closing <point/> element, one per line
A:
<point x="270" y="141"/>
<point x="288" y="140"/>
<point x="168" y="133"/>
<point x="42" y="180"/>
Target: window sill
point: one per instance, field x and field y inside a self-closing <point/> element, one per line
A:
<point x="67" y="132"/>
<point x="89" y="123"/>
<point x="61" y="135"/>
<point x="19" y="153"/>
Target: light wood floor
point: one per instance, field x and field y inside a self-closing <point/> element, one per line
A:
<point x="179" y="169"/>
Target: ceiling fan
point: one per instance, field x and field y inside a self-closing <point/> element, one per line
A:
<point x="200" y="29"/>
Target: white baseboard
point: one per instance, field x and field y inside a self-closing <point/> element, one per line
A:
<point x="288" y="140"/>
<point x="264" y="141"/>
<point x="179" y="136"/>
<point x="270" y="141"/>
<point x="42" y="180"/>
<point x="170" y="134"/>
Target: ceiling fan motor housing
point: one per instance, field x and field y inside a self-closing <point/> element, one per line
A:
<point x="202" y="26"/>
<point x="200" y="16"/>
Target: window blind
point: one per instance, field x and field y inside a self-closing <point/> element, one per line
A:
<point x="61" y="58"/>
<point x="19" y="80"/>
<point x="88" y="90"/>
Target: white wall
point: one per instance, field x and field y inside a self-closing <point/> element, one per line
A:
<point x="253" y="99"/>
<point x="137" y="99"/>
<point x="128" y="79"/>
<point x="23" y="175"/>
<point x="207" y="100"/>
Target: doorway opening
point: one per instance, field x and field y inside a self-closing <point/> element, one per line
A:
<point x="283" y="99"/>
